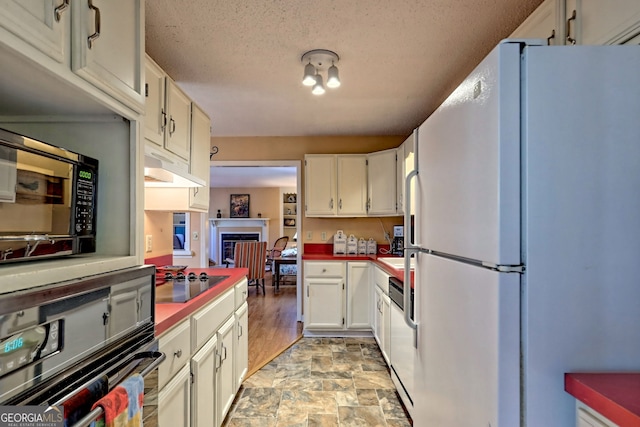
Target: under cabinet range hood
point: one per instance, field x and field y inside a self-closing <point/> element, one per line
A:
<point x="163" y="172"/>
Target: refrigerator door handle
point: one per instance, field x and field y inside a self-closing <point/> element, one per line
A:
<point x="407" y="208"/>
<point x="406" y="295"/>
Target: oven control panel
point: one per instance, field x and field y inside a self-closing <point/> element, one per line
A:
<point x="30" y="345"/>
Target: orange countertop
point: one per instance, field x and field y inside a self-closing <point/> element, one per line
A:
<point x="168" y="315"/>
<point x="614" y="395"/>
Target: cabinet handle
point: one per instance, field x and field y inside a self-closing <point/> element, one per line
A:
<point x="570" y="39"/>
<point x="225" y="355"/>
<point x="96" y="21"/>
<point x="331" y="204"/>
<point x="164" y="121"/>
<point x="172" y="127"/>
<point x="551" y="37"/>
<point x="58" y="10"/>
<point x="239" y="330"/>
<point x="195" y="191"/>
<point x="178" y="353"/>
<point x="219" y="357"/>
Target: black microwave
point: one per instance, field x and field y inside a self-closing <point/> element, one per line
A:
<point x="48" y="199"/>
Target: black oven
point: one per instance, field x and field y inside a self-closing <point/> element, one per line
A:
<point x="57" y="340"/>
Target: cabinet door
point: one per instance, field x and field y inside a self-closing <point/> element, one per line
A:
<point x="43" y="24"/>
<point x="155" y="118"/>
<point x="178" y="140"/>
<point x="199" y="159"/>
<point x="400" y="180"/>
<point x="385" y="326"/>
<point x="382" y="182"/>
<point x="108" y="47"/>
<point x="358" y="296"/>
<point x="203" y="389"/>
<point x="352" y="185"/>
<point x="609" y="21"/>
<point x="226" y="381"/>
<point x="174" y="407"/>
<point x="320" y="185"/>
<point x="541" y="24"/>
<point x="377" y="317"/>
<point x="241" y="352"/>
<point x="324" y="303"/>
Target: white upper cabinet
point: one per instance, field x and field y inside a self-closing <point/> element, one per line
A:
<point x="108" y="47"/>
<point x="101" y="40"/>
<point x="609" y="21"/>
<point x="155" y="117"/>
<point x="199" y="159"/>
<point x="541" y="24"/>
<point x="179" y="121"/>
<point x="382" y="182"/>
<point x="43" y="24"/>
<point x="352" y="184"/>
<point x="320" y="185"/>
<point x="591" y="22"/>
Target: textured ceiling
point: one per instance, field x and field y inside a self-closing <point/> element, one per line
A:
<point x="399" y="59"/>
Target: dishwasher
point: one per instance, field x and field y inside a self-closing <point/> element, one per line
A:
<point x="402" y="349"/>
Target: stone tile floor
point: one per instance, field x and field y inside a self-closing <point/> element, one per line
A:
<point x="321" y="382"/>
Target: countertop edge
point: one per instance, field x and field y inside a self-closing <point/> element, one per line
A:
<point x="579" y="386"/>
<point x="167" y="315"/>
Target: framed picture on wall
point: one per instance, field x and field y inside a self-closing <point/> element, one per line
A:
<point x="239" y="206"/>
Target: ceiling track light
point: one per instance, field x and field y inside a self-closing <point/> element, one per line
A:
<point x="316" y="61"/>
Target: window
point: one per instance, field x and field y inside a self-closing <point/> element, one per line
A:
<point x="181" y="233"/>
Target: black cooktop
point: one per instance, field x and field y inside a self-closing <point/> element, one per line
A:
<point x="181" y="288"/>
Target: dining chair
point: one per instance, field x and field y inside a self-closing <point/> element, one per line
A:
<point x="252" y="255"/>
<point x="276" y="251"/>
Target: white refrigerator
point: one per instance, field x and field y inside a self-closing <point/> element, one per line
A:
<point x="527" y="219"/>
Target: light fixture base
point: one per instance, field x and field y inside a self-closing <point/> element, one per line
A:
<point x="322" y="59"/>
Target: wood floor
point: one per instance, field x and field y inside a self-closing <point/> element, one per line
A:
<point x="272" y="323"/>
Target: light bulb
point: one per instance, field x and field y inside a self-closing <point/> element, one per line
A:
<point x="318" y="88"/>
<point x="333" y="80"/>
<point x="309" y="78"/>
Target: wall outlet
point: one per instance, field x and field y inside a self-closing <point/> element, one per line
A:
<point x="148" y="242"/>
<point x="195" y="235"/>
<point x="309" y="235"/>
<point x="323" y="236"/>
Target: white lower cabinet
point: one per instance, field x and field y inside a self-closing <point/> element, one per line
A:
<point x="587" y="417"/>
<point x="216" y="335"/>
<point x="241" y="352"/>
<point x="174" y="401"/>
<point x="337" y="296"/>
<point x="203" y="389"/>
<point x="381" y="311"/>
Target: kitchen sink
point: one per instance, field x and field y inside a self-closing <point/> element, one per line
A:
<point x="397" y="262"/>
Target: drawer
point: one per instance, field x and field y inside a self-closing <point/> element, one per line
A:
<point x="205" y="322"/>
<point x="241" y="292"/>
<point x="381" y="279"/>
<point x="176" y="344"/>
<point x="324" y="269"/>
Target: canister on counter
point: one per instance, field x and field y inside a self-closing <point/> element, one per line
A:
<point x="352" y="245"/>
<point x="372" y="246"/>
<point x="362" y="246"/>
<point x="339" y="243"/>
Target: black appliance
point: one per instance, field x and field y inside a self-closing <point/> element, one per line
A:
<point x="178" y="287"/>
<point x="56" y="339"/>
<point x="48" y="198"/>
<point x="397" y="244"/>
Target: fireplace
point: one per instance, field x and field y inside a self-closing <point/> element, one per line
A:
<point x="225" y="232"/>
<point x="228" y="242"/>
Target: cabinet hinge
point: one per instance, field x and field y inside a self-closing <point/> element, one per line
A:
<point x="146" y="90"/>
<point x="366" y="162"/>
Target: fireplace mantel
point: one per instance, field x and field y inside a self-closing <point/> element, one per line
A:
<point x="222" y="225"/>
<point x="239" y="222"/>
